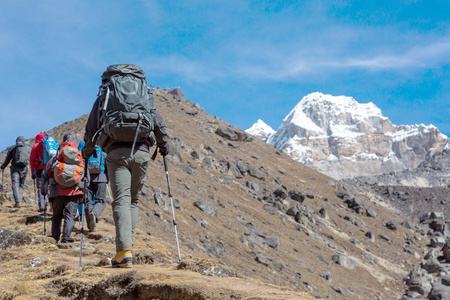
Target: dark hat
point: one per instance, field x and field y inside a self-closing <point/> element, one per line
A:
<point x="68" y="137"/>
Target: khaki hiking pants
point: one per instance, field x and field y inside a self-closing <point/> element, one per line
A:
<point x="126" y="176"/>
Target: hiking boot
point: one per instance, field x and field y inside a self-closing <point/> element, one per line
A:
<point x="17" y="205"/>
<point x="123" y="259"/>
<point x="68" y="240"/>
<point x="92" y="221"/>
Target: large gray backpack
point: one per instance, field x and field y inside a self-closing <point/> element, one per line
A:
<point x="126" y="110"/>
<point x="21" y="153"/>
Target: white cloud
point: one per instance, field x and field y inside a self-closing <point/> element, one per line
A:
<point x="426" y="56"/>
<point x="257" y="62"/>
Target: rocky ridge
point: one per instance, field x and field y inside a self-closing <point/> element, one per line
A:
<point x="342" y="138"/>
<point x="244" y="210"/>
<point x="433" y="172"/>
<point x="412" y="192"/>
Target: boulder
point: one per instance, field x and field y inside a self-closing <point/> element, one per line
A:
<point x="439" y="292"/>
<point x="217" y="249"/>
<point x="262" y="260"/>
<point x="254" y="172"/>
<point x="13" y="239"/>
<point x="233" y="134"/>
<point x="187" y="169"/>
<point x="437" y="242"/>
<point x="344" y="261"/>
<point x="297" y="196"/>
<point x="431" y="265"/>
<point x="273" y="242"/>
<point x="253" y="185"/>
<point x="205" y="207"/>
<point x="281" y="193"/>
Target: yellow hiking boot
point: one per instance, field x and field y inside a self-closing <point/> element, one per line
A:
<point x="123" y="259"/>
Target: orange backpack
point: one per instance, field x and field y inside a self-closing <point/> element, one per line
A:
<point x="68" y="168"/>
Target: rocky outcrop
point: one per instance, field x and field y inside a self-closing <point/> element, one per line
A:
<point x="233" y="133"/>
<point x="342" y="138"/>
<point x="431" y="280"/>
<point x="433" y="172"/>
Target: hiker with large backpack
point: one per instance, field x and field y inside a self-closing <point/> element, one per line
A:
<point x="124" y="122"/>
<point x="19" y="156"/>
<point x="62" y="179"/>
<point x="96" y="190"/>
<point x="43" y="149"/>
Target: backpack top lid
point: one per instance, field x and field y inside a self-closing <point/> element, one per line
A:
<point x="122" y="70"/>
<point x="69" y="153"/>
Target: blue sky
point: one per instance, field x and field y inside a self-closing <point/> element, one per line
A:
<point x="240" y="60"/>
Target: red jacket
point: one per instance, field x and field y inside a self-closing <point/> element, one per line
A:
<point x="37" y="155"/>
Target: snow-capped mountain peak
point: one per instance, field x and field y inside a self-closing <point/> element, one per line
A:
<point x="343" y="138"/>
<point x="261" y="130"/>
<point x="324" y="115"/>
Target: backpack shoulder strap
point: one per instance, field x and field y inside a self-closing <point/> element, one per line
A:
<point x="103" y="93"/>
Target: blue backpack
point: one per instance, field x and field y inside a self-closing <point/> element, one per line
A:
<point x="96" y="165"/>
<point x="50" y="147"/>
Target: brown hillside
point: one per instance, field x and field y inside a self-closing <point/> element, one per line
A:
<point x="252" y="238"/>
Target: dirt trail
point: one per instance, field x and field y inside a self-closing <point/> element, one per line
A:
<point x="45" y="270"/>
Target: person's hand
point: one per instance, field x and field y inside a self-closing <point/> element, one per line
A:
<point x="44" y="192"/>
<point x="33" y="176"/>
<point x="86" y="154"/>
<point x="164" y="150"/>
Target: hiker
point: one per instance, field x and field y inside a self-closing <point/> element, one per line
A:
<point x="127" y="139"/>
<point x="62" y="179"/>
<point x="19" y="156"/>
<point x="95" y="200"/>
<point x="43" y="149"/>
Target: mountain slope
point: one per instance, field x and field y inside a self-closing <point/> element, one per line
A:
<point x="342" y="138"/>
<point x="244" y="206"/>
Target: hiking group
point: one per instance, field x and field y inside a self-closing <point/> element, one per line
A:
<point x="121" y="128"/>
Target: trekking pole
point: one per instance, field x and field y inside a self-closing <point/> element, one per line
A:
<point x="3" y="199"/>
<point x="45" y="215"/>
<point x="109" y="192"/>
<point x="82" y="215"/>
<point x="35" y="194"/>
<point x="171" y="205"/>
